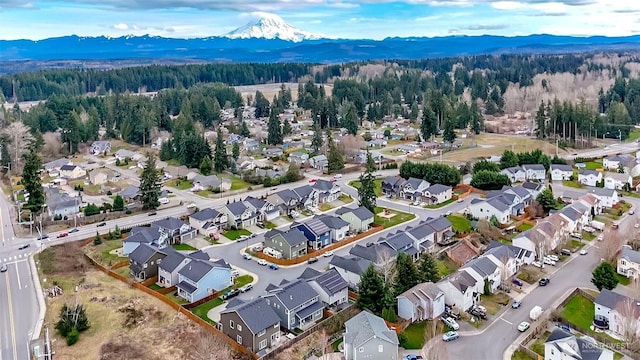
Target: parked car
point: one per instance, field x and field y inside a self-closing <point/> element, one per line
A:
<point x="412" y="357"/>
<point x="450" y="323"/>
<point x="243" y="237"/>
<point x="583" y="252"/>
<point x="337" y="176"/>
<point x="576" y="235"/>
<point x="247" y="256"/>
<point x="523" y="326"/>
<point x="565" y="328"/>
<point x="102" y="224"/>
<point x="553" y="257"/>
<point x="262" y="262"/>
<point x="448" y="213"/>
<point x="631" y="212"/>
<point x="313" y="180"/>
<point x="231" y="293"/>
<point x="273" y="266"/>
<point x="4" y="268"/>
<point x="260" y="225"/>
<point x="312" y="260"/>
<point x="518" y="282"/>
<point x="544" y="281"/>
<point x="450" y="335"/>
<point x="478" y="313"/>
<point x="257" y="248"/>
<point x="548" y="261"/>
<point x="191" y="206"/>
<point x="460" y="200"/>
<point x="416" y="203"/>
<point x="537" y="264"/>
<point x="22" y="247"/>
<point x="566" y="252"/>
<point x="246" y="288"/>
<point x="328" y="253"/>
<point x="516" y="304"/>
<point x="61" y="235"/>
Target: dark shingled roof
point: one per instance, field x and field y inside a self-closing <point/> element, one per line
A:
<point x="256" y="314"/>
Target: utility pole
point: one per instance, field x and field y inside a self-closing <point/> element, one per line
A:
<point x="47" y="344"/>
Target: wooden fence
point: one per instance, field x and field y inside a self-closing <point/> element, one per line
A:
<point x="201" y="301"/>
<point x="174" y="306"/>
<point x="304" y="258"/>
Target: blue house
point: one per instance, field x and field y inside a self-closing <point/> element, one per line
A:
<point x="199" y="279"/>
<point x="316" y="231"/>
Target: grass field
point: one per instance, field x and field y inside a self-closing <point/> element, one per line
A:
<point x="184" y="247"/>
<point x="399" y="218"/>
<point x="520" y="355"/>
<point x="179" y="184"/>
<point x="524" y="227"/>
<point x="495" y="302"/>
<point x="579" y="311"/>
<point x="234" y="234"/>
<point x="414" y="335"/>
<point x="460" y="224"/>
<point x="377" y="185"/>
<point x="538" y="345"/>
<point x="202" y="310"/>
<point x="446" y="266"/>
<point x="623" y="280"/>
<point x="437" y="206"/>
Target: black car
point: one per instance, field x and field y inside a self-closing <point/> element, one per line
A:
<point x="102" y="224"/>
<point x="43" y="236"/>
<point x="312" y="260"/>
<point x="544" y="281"/>
<point x="479" y="313"/>
<point x="22" y="247"/>
<point x="260" y="225"/>
<point x="153" y="213"/>
<point x="231" y="293"/>
<point x="518" y="282"/>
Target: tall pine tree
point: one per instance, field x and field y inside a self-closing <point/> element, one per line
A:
<point x="31" y="181"/>
<point x="274" y="131"/>
<point x="220" y="158"/>
<point x="429" y="125"/>
<point x="316" y="141"/>
<point x="150" y="185"/>
<point x="371" y="290"/>
<point x="335" y="159"/>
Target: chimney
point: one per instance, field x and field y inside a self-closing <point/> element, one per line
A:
<point x="290" y="297"/>
<point x="189" y="267"/>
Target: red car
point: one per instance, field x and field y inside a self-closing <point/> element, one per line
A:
<point x="61" y="235"/>
<point x="313" y="180"/>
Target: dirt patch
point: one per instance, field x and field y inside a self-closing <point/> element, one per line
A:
<point x="64" y="260"/>
<point x="127" y="324"/>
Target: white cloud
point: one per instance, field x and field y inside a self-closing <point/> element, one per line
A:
<point x="507" y="5"/>
<point x="121" y="26"/>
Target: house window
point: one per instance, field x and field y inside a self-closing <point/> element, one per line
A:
<point x="623" y="262"/>
<point x="144" y="266"/>
<point x="361" y="349"/>
<point x="159" y="261"/>
<point x="263" y="344"/>
<point x="239" y="339"/>
<point x="261" y="333"/>
<point x="268" y="302"/>
<point x="380" y="348"/>
<point x="239" y="327"/>
<point x="232" y="324"/>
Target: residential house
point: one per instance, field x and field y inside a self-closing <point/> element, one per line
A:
<point x="422" y="302"/>
<point x="272" y="152"/>
<point x="296" y="303"/>
<point x="629" y="262"/>
<point x="308" y="197"/>
<point x="361" y="156"/>
<point x="174" y="262"/>
<point x="101" y="176"/>
<point x="327" y="191"/>
<point x="291" y="243"/>
<point x="400" y="241"/>
<point x="317" y="233"/>
<point x="618" y="181"/>
<point x="61" y="204"/>
<point x="377" y="143"/>
<point x="486" y="209"/>
<point x="359" y="219"/>
<point x="367" y="336"/>
<point x="53" y="167"/>
<point x="413" y="189"/>
<point x="380" y="254"/>
<point x="546" y="236"/>
<point x="124" y="154"/>
<point x="442" y="228"/>
<point x="207" y="221"/>
<point x="130" y="193"/>
<point x="521" y="256"/>
<point x="239" y="215"/>
<point x="350" y="268"/>
<point x="339" y="228"/>
<point x="176" y="229"/>
<point x="460" y="290"/>
<point x="515" y="174"/>
<point x="523" y="194"/>
<point x="484" y="270"/>
<point x="332" y="289"/>
<point x="252" y="324"/>
<point x="319" y="162"/>
<point x="144" y="261"/>
<point x="210" y="182"/>
<point x="72" y="171"/>
<point x="535" y="172"/>
<point x="561" y="172"/>
<point x="608" y="307"/>
<point x="505" y="258"/>
<point x="589" y="177"/>
<point x="607" y="197"/>
<point x="100" y="147"/>
<point x="392" y="186"/>
<point x="270" y="173"/>
<point x="573" y="217"/>
<point x="438" y="194"/>
<point x="199" y="279"/>
<point x="153" y="236"/>
<point x="251" y="145"/>
<point x="563" y="345"/>
<point x="265" y="210"/>
<point x="627" y="161"/>
<point x="424" y="237"/>
<point x="534" y="188"/>
<point x="286" y="200"/>
<point x="298" y="157"/>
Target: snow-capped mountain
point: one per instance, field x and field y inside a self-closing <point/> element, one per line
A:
<point x="271" y="26"/>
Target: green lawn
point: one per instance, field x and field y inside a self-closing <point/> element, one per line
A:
<point x="325" y="207"/>
<point x="345" y="198"/>
<point x="520" y="355"/>
<point x="234" y="234"/>
<point x="459" y="223"/>
<point x="377" y="183"/>
<point x="106" y="247"/>
<point x="592" y="165"/>
<point x="414" y="335"/>
<point x="242" y="280"/>
<point x="176" y="299"/>
<point x="183" y="247"/>
<point x="495" y="302"/>
<point x="437" y="206"/>
<point x="269" y="225"/>
<point x="579" y="311"/>
<point x="573" y="184"/>
<point x="335" y="345"/>
<point x="576" y="244"/>
<point x="204" y="193"/>
<point x="524" y="227"/>
<point x="237" y="183"/>
<point x="588" y="236"/>
<point x="155" y="287"/>
<point x="202" y="310"/>
<point x="446" y="266"/>
<point x="633" y="135"/>
<point x="538" y="345"/>
<point x="399" y="218"/>
<point x="623" y="280"/>
<point x="179" y="184"/>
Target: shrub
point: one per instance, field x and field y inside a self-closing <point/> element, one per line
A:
<point x="72" y="337"/>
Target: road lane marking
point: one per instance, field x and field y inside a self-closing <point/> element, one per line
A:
<point x="508" y="322"/>
<point x="18" y="277"/>
<point x="11" y="321"/>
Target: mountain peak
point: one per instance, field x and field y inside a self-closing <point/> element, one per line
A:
<point x="271" y="26"/>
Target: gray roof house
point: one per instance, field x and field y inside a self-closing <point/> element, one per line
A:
<point x="359" y="219"/>
<point x="100" y="147"/>
<point x="484" y="269"/>
<point x="413" y="188"/>
<point x="200" y="278"/>
<point x="54" y="166"/>
<point x="565" y="345"/>
<point x="561" y="172"/>
<point x="61" y="204"/>
<point x="330" y="286"/>
<point x="174" y="261"/>
<point x="144" y="261"/>
<point x="298" y="157"/>
<point x="286" y="200"/>
<point x="308" y="197"/>
<point x="443" y="229"/>
<point x="328" y="191"/>
<point x="239" y="215"/>
<point x="265" y="210"/>
<point x="367" y="336"/>
<point x="291" y="243"/>
<point x="392" y="185"/>
<point x="177" y="230"/>
<point x="350" y="268"/>
<point x="296" y="303"/>
<point x="153" y="236"/>
<point x="424" y="301"/>
<point x="252" y="324"/>
<point x="207" y="221"/>
<point x="608" y="306"/>
<point x="319" y="162"/>
<point x="130" y="193"/>
<point x="535" y="171"/>
<point x="339" y="228"/>
<point x="629" y="262"/>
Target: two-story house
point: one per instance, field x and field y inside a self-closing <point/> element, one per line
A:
<point x="413" y="189"/>
<point x="327" y="191"/>
<point x="442" y="228"/>
<point x="308" y="197"/>
<point x="607" y="197"/>
<point x="332" y="289"/>
<point x="199" y="279"/>
<point x="424" y="237"/>
<point x="486" y="209"/>
<point x="239" y="215"/>
<point x="291" y="243"/>
<point x="296" y="303"/>
<point x="177" y="230"/>
<point x="53" y="167"/>
<point x="252" y="324"/>
<point x="317" y="233"/>
<point x="437" y="194"/>
<point x="618" y="181"/>
<point x="392" y="186"/>
<point x="515" y="174"/>
<point x="618" y="311"/>
<point x="338" y="227"/>
<point x="422" y="302"/>
<point x="535" y="171"/>
<point x="153" y="236"/>
<point x="484" y="270"/>
<point x="367" y="336"/>
<point x="561" y="172"/>
<point x="144" y="261"/>
<point x="285" y="200"/>
<point x="71" y="171"/>
<point x="589" y="177"/>
<point x="319" y="162"/>
<point x="100" y="147"/>
<point x="629" y="263"/>
<point x="460" y="290"/>
<point x="563" y="345"/>
<point x="350" y="268"/>
<point x="265" y="210"/>
<point x="359" y="219"/>
<point x="207" y="221"/>
<point x="174" y="262"/>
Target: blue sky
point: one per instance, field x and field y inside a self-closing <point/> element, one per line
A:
<point x="375" y="19"/>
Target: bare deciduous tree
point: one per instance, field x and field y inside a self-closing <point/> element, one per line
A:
<point x="611" y="244"/>
<point x="540" y="241"/>
<point x="386" y="260"/>
<point x="20" y="138"/>
<point x="323" y="341"/>
<point x="437" y="349"/>
<point x="52" y="146"/>
<point x="351" y="145"/>
<point x="488" y="232"/>
<point x="627" y="318"/>
<point x="208" y="346"/>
